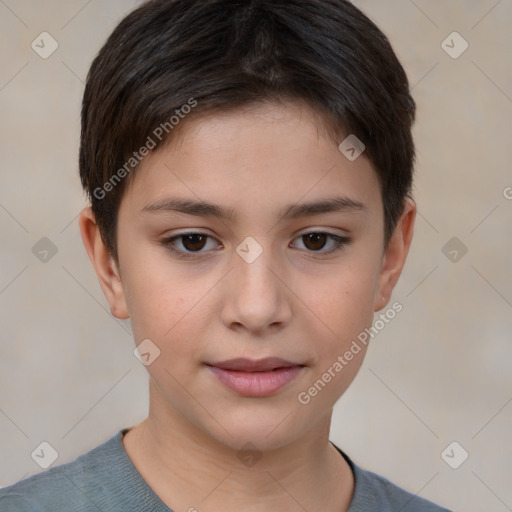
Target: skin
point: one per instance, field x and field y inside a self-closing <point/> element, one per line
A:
<point x="293" y="302"/>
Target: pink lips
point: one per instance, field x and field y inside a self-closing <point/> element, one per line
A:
<point x="256" y="378"/>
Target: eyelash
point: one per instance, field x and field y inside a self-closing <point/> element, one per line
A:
<point x="339" y="243"/>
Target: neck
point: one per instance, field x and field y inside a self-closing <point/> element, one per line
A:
<point x="189" y="470"/>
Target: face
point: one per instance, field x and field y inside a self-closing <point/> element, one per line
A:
<point x="286" y="262"/>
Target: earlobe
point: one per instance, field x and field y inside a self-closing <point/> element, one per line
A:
<point x="395" y="255"/>
<point x="104" y="264"/>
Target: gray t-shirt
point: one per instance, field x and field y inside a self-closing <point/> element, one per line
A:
<point x="104" y="479"/>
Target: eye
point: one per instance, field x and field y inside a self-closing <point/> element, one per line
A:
<point x="317" y="240"/>
<point x="190" y="243"/>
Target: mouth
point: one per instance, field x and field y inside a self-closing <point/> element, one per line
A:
<point x="256" y="378"/>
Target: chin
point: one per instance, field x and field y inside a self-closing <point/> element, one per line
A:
<point x="266" y="430"/>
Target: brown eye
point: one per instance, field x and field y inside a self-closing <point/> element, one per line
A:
<point x="189" y="244"/>
<point x="323" y="243"/>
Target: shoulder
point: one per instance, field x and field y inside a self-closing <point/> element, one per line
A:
<point x="390" y="497"/>
<point x="374" y="492"/>
<point x="88" y="483"/>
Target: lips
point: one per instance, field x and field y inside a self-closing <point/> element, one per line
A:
<point x="256" y="378"/>
<point x="253" y="365"/>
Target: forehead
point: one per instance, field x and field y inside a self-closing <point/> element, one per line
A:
<point x="265" y="156"/>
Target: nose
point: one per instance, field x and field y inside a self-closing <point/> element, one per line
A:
<point x="255" y="297"/>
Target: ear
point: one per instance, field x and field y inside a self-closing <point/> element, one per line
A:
<point x="395" y="255"/>
<point x="104" y="264"/>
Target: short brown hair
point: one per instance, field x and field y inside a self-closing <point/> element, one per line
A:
<point x="217" y="55"/>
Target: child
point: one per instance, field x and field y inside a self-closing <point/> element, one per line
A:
<point x="249" y="166"/>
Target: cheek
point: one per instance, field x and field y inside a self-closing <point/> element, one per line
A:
<point x="158" y="300"/>
<point x="165" y="310"/>
<point x="340" y="310"/>
<point x="340" y="307"/>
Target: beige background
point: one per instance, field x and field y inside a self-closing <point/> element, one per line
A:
<point x="439" y="372"/>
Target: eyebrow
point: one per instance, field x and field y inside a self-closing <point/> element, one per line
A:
<point x="292" y="211"/>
